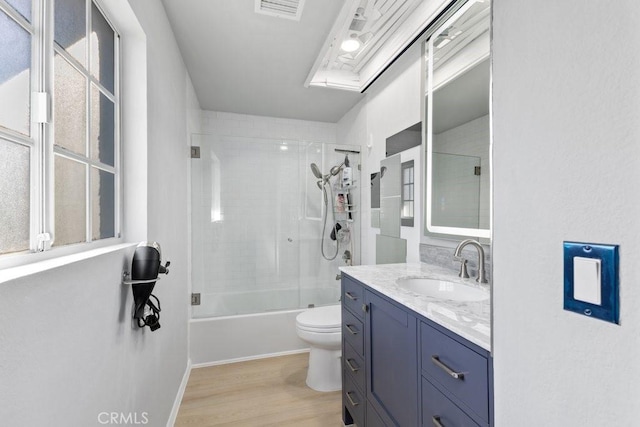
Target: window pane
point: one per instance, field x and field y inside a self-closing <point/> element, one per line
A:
<point x="102" y="127"/>
<point x="70" y="105"/>
<point x="15" y="70"/>
<point x="102" y="49"/>
<point x="70" y="201"/>
<point x="408" y="192"/>
<point x="14" y="203"/>
<point x="407" y="210"/>
<point x="22" y="6"/>
<point x="71" y="27"/>
<point x="102" y="204"/>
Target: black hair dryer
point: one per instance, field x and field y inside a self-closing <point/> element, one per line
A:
<point x="146" y="267"/>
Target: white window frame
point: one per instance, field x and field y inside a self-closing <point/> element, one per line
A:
<point x="41" y="141"/>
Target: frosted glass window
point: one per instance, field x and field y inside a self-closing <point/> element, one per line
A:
<point x="103" y="202"/>
<point x="70" y="105"/>
<point x="102" y="49"/>
<point x="15" y="75"/>
<point x="70" y="201"/>
<point x="23" y="7"/>
<point x="70" y="27"/>
<point x="14" y="203"/>
<point x="102" y="128"/>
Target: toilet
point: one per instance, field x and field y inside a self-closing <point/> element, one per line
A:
<point x="321" y="328"/>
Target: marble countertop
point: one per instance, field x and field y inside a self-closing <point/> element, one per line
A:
<point x="470" y="320"/>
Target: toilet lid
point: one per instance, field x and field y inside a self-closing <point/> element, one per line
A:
<point x="328" y="317"/>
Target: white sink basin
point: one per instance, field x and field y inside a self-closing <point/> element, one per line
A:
<point x="442" y="289"/>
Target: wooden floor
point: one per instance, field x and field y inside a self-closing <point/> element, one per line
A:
<point x="265" y="392"/>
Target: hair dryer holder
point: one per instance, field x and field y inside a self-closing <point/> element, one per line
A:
<point x="146" y="266"/>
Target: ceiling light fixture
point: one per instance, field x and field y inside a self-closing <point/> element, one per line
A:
<point x="351" y="44"/>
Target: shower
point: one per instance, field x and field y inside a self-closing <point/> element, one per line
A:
<point x="274" y="223"/>
<point x="324" y="181"/>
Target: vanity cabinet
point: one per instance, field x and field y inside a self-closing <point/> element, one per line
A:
<point x="402" y="369"/>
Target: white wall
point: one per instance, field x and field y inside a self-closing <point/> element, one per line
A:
<point x="566" y="101"/>
<point x="392" y="104"/>
<point x="68" y="348"/>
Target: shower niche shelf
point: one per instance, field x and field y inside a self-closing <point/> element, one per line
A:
<point x="343" y="207"/>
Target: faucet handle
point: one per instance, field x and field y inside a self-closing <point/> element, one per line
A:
<point x="464" y="273"/>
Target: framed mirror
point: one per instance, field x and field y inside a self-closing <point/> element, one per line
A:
<point x="457" y="132"/>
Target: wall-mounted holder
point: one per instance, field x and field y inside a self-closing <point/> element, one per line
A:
<point x="145" y="268"/>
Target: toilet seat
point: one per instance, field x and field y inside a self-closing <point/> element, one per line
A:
<point x="320" y="320"/>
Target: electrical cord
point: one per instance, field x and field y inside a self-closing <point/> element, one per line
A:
<point x="151" y="320"/>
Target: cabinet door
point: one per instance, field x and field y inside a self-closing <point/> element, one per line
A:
<point x="391" y="361"/>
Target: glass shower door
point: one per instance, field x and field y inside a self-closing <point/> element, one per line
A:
<point x="245" y="237"/>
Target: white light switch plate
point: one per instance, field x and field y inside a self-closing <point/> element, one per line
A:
<point x="587" y="280"/>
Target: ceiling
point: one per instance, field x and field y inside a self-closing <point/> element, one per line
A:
<point x="249" y="63"/>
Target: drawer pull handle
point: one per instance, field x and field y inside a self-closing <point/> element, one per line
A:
<point x="350" y="296"/>
<point x="350" y="365"/>
<point x="448" y="370"/>
<point x="353" y="402"/>
<point x="436" y="421"/>
<point x="352" y="330"/>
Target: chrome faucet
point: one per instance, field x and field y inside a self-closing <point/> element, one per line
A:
<point x="482" y="278"/>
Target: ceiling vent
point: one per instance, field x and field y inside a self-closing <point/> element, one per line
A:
<point x="288" y="9"/>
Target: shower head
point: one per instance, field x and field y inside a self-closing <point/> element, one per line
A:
<point x="336" y="169"/>
<point x="316" y="171"/>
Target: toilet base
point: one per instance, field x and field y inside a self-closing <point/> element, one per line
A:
<point x="324" y="373"/>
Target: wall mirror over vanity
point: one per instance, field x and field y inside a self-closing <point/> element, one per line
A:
<point x="438" y="343"/>
<point x="457" y="133"/>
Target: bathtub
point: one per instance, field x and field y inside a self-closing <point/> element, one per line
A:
<point x="239" y="337"/>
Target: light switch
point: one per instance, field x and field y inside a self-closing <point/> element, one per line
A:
<point x="591" y="284"/>
<point x="587" y="282"/>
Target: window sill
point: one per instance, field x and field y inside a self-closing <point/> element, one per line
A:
<point x="53" y="261"/>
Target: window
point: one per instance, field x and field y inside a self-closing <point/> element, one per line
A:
<point x="406" y="214"/>
<point x="59" y="169"/>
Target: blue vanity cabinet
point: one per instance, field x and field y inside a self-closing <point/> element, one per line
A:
<point x="401" y="369"/>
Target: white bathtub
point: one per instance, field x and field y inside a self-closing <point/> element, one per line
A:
<point x="217" y="340"/>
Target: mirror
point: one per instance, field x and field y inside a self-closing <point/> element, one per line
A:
<point x="390" y="248"/>
<point x="390" y="196"/>
<point x="375" y="200"/>
<point x="457" y="131"/>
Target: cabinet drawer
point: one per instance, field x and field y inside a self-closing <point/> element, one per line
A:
<point x="353" y="401"/>
<point x="353" y="365"/>
<point x="444" y="359"/>
<point x="436" y="408"/>
<point x="353" y="296"/>
<point x="353" y="331"/>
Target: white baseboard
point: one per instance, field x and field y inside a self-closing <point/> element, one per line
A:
<point x="245" y="359"/>
<point x="178" y="400"/>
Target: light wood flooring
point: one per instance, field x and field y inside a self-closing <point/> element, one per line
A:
<point x="257" y="393"/>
